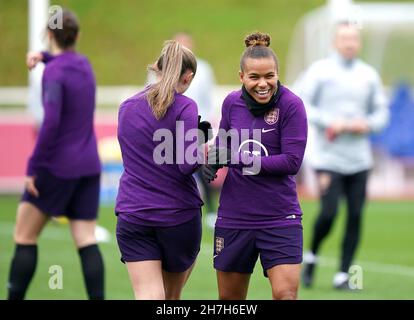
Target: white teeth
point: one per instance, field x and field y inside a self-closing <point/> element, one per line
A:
<point x="262" y="93"/>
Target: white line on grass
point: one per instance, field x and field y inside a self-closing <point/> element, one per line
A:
<point x="394" y="269"/>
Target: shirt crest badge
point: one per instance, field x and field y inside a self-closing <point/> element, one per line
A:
<point x="272" y="116"/>
<point x="219" y="244"/>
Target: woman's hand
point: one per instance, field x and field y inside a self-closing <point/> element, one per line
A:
<point x="209" y="172"/>
<point x="206" y="131"/>
<point x="33" y="58"/>
<point x="359" y="126"/>
<point x="30" y="186"/>
<point x="219" y="156"/>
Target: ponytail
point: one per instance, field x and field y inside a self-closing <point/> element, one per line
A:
<point x="173" y="62"/>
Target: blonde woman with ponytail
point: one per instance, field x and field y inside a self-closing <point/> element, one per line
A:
<point x="158" y="204"/>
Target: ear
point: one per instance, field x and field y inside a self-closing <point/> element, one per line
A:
<point x="241" y="75"/>
<point x="51" y="40"/>
<point x="188" y="77"/>
<point x="49" y="35"/>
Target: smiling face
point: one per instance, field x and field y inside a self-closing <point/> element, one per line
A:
<point x="259" y="77"/>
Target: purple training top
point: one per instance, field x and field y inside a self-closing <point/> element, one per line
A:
<point x="149" y="193"/>
<point x="66" y="145"/>
<point x="268" y="199"/>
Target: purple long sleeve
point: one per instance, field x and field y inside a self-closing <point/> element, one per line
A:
<point x="157" y="186"/>
<point x="66" y="145"/>
<point x="53" y="105"/>
<point x="47" y="56"/>
<point x="293" y="143"/>
<point x="276" y="140"/>
<point x="189" y="121"/>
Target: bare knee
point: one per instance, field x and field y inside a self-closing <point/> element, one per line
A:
<point x="30" y="222"/>
<point x="284" y="280"/>
<point x="230" y="296"/>
<point x="233" y="294"/>
<point x="24" y="238"/>
<point x="149" y="294"/>
<point x="232" y="285"/>
<point x="84" y="241"/>
<point x="148" y="290"/>
<point x="83" y="233"/>
<point x="284" y="294"/>
<point x="174" y="283"/>
<point x="172" y="294"/>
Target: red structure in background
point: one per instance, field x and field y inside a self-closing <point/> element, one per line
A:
<point x="17" y="140"/>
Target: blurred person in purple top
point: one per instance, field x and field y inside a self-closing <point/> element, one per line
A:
<point x="63" y="173"/>
<point x="158" y="204"/>
<point x="259" y="212"/>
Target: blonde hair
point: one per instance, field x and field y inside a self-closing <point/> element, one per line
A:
<point x="173" y="62"/>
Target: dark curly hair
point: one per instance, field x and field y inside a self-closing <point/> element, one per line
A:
<point x="257" y="47"/>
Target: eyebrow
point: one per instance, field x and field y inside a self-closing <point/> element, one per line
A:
<point x="257" y="74"/>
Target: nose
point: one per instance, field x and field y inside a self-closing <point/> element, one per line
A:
<point x="262" y="83"/>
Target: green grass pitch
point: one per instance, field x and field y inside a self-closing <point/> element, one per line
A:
<point x="385" y="255"/>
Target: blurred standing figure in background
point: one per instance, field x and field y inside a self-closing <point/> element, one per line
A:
<point x="345" y="102"/>
<point x="201" y="91"/>
<point x="202" y="86"/>
<point x="63" y="172"/>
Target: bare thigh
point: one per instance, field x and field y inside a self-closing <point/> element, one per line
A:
<point x="30" y="222"/>
<point x="284" y="280"/>
<point x="146" y="279"/>
<point x="83" y="232"/>
<point x="174" y="283"/>
<point x="232" y="285"/>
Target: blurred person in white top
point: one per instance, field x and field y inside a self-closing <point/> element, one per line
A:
<point x="345" y="102"/>
<point x="202" y="88"/>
